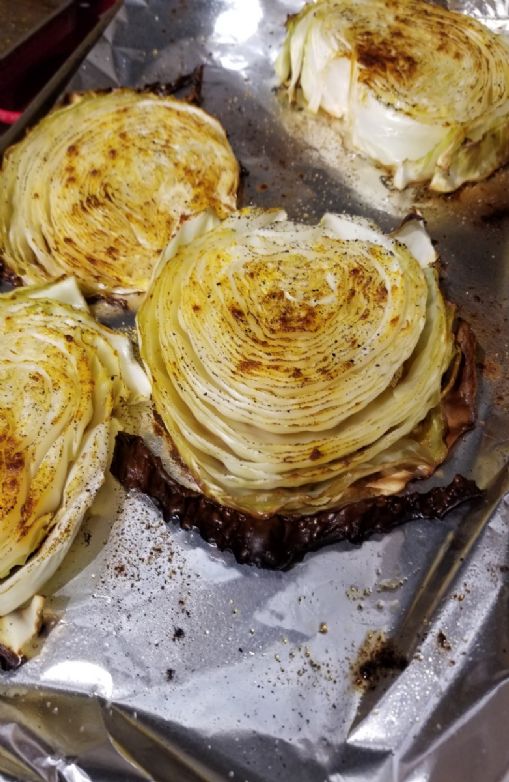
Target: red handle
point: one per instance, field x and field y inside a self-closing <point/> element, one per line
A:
<point x="9" y="117"/>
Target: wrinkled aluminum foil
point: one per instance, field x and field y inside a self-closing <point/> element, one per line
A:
<point x="494" y="13"/>
<point x="164" y="659"/>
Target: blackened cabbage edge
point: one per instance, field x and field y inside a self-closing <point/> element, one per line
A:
<point x="279" y="541"/>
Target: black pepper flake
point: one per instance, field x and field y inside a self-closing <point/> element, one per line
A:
<point x="178" y="633"/>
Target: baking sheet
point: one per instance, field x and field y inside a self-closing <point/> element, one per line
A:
<point x="169" y="661"/>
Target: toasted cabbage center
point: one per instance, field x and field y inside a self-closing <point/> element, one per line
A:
<point x="292" y="362"/>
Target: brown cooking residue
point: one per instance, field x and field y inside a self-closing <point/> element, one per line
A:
<point x="377" y="659"/>
<point x="192" y="83"/>
<point x="492" y="369"/>
<point x="443" y="642"/>
<point x="496" y="216"/>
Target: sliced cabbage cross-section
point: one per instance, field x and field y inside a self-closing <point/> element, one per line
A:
<point x="422" y="90"/>
<point x="62" y="378"/>
<point x="98" y="188"/>
<point x="300" y="367"/>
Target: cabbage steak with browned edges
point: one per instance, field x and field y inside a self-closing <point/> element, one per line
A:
<point x="301" y="368"/>
<point x="421" y="90"/>
<point x="100" y="186"/>
<point x="63" y="377"/>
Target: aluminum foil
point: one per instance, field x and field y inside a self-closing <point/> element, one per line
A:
<point x="493" y="13"/>
<point x="166" y="660"/>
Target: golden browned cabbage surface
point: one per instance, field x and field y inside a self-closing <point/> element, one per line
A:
<point x="100" y="186"/>
<point x="300" y="367"/>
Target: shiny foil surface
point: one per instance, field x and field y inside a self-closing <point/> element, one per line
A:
<point x="163" y="659"/>
<point x="494" y="13"/>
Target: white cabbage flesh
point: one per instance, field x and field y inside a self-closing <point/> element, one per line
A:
<point x="421" y="90"/>
<point x="62" y="376"/>
<point x="99" y="187"/>
<point x="20" y="627"/>
<point x="299" y="367"/>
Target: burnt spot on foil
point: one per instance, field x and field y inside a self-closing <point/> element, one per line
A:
<point x="497" y="216"/>
<point x="442" y="641"/>
<point x="279" y="541"/>
<point x="193" y="82"/>
<point x="377" y="659"/>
